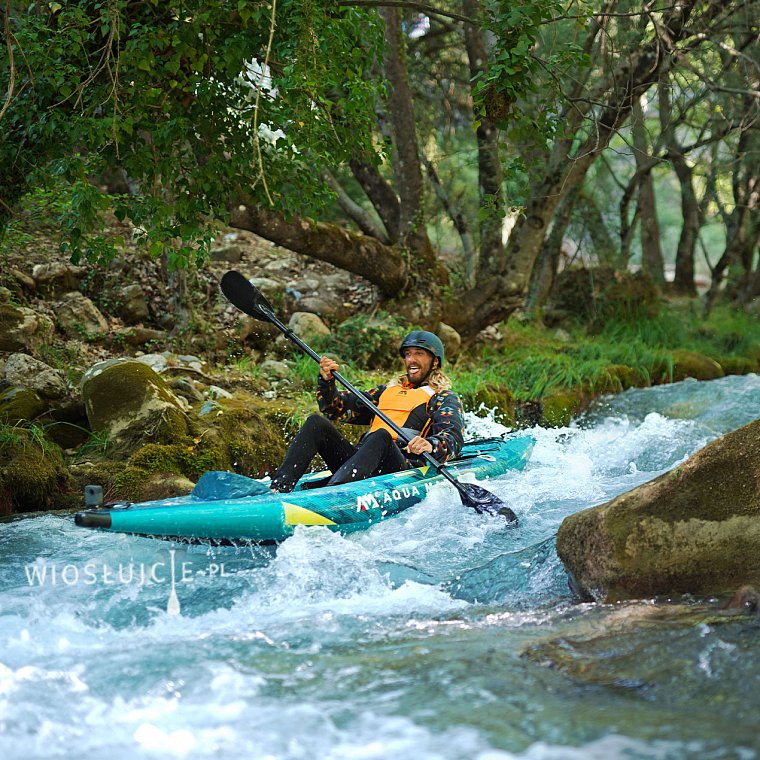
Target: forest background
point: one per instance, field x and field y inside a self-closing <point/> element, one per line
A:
<point x="571" y="187"/>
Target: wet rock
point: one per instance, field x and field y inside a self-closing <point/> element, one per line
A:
<point x="57" y="278"/>
<point x="134" y="304"/>
<point x="695" y="529"/>
<point x="78" y="317"/>
<point x="22" y="369"/>
<point x="746" y="598"/>
<point x="131" y="404"/>
<point x="22" y="328"/>
<point x="307" y="325"/>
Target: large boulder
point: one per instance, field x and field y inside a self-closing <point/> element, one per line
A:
<point x="132" y="405"/>
<point x="307" y="325"/>
<point x="695" y="529"/>
<point x="133" y="306"/>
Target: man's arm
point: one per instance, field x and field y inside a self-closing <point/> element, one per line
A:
<point x="445" y="436"/>
<point x="343" y="405"/>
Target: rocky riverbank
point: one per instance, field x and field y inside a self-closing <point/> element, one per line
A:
<point x="138" y="379"/>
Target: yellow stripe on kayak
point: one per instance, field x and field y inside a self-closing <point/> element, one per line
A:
<point x="295" y="515"/>
<point x="407" y="473"/>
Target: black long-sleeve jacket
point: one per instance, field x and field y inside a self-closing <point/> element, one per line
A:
<point x="444" y="410"/>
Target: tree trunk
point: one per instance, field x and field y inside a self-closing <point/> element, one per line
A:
<point x="651" y="251"/>
<point x="634" y="76"/>
<point x="489" y="163"/>
<point x="406" y="158"/>
<point x="545" y="273"/>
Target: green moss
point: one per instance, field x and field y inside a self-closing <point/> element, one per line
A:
<point x="249" y="432"/>
<point x="738" y="365"/>
<point x="559" y="408"/>
<point x="136" y="484"/>
<point x="19" y="404"/>
<point x="32" y="473"/>
<point x="121" y="389"/>
<point x="179" y="459"/>
<point x="493" y="397"/>
<point x="694" y="364"/>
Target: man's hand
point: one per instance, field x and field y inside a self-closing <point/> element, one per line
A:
<point x="419" y="445"/>
<point x="327" y="366"/>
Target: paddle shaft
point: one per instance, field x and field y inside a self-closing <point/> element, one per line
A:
<point x="432" y="461"/>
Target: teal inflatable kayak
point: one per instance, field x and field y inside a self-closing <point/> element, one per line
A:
<point x="229" y="508"/>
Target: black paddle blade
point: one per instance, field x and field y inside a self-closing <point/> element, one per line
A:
<point x="484" y="502"/>
<point x="240" y="292"/>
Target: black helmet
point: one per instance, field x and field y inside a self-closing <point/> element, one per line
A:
<point x="423" y="339"/>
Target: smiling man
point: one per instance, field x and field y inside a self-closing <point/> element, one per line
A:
<point x="420" y="402"/>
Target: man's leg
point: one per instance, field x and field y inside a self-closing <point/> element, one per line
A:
<point x="377" y="455"/>
<point x="317" y="436"/>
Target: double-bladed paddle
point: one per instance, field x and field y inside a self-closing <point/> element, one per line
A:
<point x="243" y="294"/>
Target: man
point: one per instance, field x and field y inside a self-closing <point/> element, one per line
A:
<point x="420" y="402"/>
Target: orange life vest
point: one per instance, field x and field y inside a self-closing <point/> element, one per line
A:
<point x="399" y="402"/>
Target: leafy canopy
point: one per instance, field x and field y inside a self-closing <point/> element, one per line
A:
<point x="197" y="101"/>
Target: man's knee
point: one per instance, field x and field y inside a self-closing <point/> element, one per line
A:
<point x="317" y="422"/>
<point x="380" y="438"/>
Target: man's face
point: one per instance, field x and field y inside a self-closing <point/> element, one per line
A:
<point x="418" y="363"/>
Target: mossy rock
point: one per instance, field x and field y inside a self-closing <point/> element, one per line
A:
<point x="32" y="473"/>
<point x="627" y="377"/>
<point x="738" y="365"/>
<point x="559" y="408"/>
<point x="132" y="404"/>
<point x="18" y="404"/>
<point x="493" y="397"/>
<point x="687" y="363"/>
<point x="135" y="484"/>
<point x="102" y="473"/>
<point x="249" y="434"/>
<point x="695" y="529"/>
<point x="187" y="459"/>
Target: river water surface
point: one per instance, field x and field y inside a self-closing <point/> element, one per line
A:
<point x="438" y="634"/>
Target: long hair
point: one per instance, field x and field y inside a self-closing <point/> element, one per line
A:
<point x="436" y="380"/>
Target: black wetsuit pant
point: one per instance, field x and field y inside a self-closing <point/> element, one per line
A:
<point x="376" y="454"/>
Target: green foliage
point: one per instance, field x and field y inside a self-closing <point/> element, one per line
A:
<point x="369" y="342"/>
<point x="169" y="96"/>
<point x="599" y="294"/>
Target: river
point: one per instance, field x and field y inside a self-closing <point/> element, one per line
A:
<point x="438" y="634"/>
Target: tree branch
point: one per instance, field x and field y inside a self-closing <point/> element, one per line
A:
<point x="421" y="7"/>
<point x="358" y="214"/>
<point x="381" y="264"/>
